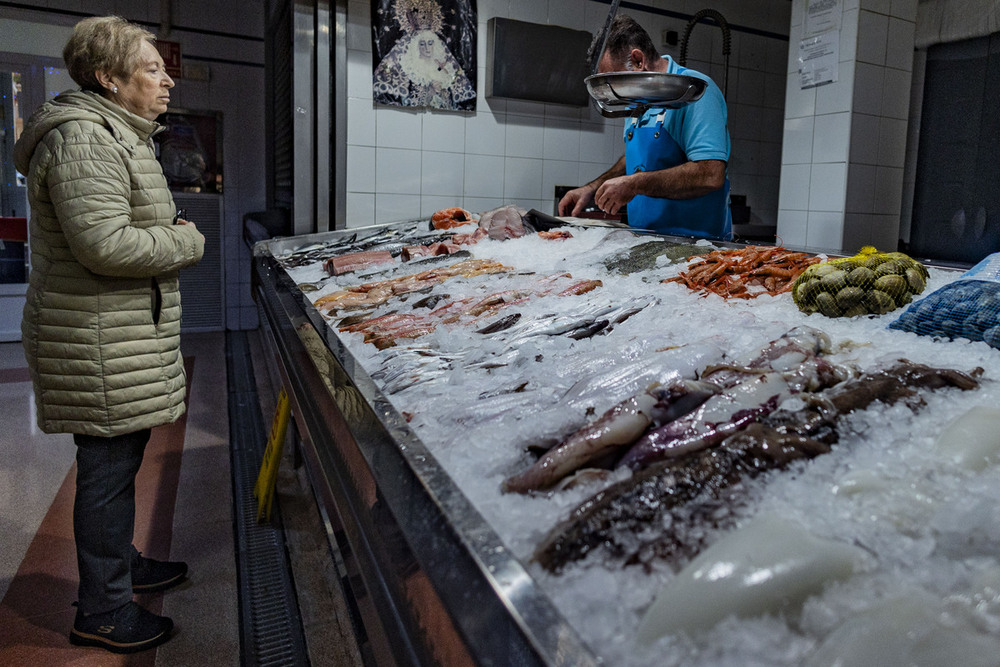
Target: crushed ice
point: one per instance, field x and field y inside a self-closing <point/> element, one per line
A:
<point x="929" y="523"/>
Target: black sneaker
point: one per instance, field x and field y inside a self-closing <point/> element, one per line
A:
<point x="128" y="629"/>
<point x="149" y="576"/>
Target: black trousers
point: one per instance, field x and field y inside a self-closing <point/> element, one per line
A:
<point x="104" y="517"/>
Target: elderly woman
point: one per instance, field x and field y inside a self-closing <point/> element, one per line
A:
<point x="101" y="326"/>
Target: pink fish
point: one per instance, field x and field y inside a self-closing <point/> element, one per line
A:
<point x="615" y="429"/>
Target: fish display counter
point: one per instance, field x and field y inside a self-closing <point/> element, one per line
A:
<point x="571" y="444"/>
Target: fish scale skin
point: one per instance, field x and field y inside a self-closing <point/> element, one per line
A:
<point x="613" y="519"/>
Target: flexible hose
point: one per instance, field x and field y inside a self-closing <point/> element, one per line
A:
<point x="603" y="37"/>
<point x="726" y="40"/>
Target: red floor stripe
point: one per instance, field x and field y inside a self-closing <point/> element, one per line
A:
<point x="36" y="613"/>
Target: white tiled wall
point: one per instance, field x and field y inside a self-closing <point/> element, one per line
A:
<point x="511" y="151"/>
<point x="755" y="90"/>
<point x="845" y="143"/>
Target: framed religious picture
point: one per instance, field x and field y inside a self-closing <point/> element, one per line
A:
<point x="190" y="150"/>
<point x="424" y="53"/>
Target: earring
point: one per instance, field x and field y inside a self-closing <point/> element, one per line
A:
<point x="114" y="89"/>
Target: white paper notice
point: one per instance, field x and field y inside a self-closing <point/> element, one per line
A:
<point x="818" y="59"/>
<point x="821" y="16"/>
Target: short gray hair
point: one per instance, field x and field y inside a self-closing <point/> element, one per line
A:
<point x="104" y="43"/>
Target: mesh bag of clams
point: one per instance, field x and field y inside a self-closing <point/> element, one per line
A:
<point x="969" y="307"/>
<point x="871" y="282"/>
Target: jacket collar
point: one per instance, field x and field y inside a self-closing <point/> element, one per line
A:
<point x="123" y="122"/>
<point x="128" y="129"/>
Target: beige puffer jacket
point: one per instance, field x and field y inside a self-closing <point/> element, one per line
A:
<point x="101" y="327"/>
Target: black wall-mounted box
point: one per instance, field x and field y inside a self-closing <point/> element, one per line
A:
<point x="536" y="62"/>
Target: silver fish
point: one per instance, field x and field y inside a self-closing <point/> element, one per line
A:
<point x="624" y="379"/>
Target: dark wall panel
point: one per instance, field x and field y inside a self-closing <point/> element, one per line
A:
<point x="956" y="211"/>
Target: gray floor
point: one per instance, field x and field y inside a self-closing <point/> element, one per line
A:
<point x="206" y="609"/>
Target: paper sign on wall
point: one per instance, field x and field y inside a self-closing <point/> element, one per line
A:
<point x="818" y="58"/>
<point x="821" y="16"/>
<point x="819" y="48"/>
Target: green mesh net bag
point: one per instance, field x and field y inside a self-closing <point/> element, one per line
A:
<point x="969" y="307"/>
<point x="870" y="282"/>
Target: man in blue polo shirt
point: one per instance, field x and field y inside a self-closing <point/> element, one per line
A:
<point x="673" y="174"/>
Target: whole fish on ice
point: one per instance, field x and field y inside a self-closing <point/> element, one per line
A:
<point x="786" y="366"/>
<point x="616" y="428"/>
<point x="686" y="415"/>
<point x="634" y="520"/>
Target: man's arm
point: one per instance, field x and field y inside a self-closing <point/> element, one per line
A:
<point x="685" y="181"/>
<point x="574" y="201"/>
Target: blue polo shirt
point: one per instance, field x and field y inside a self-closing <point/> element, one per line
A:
<point x="664" y="138"/>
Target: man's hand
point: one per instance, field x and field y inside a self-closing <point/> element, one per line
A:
<point x="574" y="201"/>
<point x="614" y="194"/>
<point x="685" y="181"/>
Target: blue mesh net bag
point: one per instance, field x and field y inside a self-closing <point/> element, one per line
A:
<point x="969" y="307"/>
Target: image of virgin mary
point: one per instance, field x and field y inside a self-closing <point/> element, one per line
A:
<point x="420" y="69"/>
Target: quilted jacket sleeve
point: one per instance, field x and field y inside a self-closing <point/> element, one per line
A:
<point x="93" y="184"/>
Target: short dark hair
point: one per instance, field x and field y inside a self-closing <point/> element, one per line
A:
<point x="104" y="43"/>
<point x="624" y="35"/>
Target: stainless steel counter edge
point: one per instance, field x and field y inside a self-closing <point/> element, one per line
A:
<point x="403" y="517"/>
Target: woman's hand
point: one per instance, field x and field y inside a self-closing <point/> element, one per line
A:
<point x="182" y="221"/>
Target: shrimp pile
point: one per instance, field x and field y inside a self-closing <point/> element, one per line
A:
<point x="745" y="273"/>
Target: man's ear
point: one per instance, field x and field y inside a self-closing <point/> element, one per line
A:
<point x="638" y="59"/>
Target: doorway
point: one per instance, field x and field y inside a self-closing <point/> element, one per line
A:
<point x="24" y="82"/>
<point x="956" y="204"/>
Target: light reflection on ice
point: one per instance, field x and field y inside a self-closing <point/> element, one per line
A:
<point x="719" y="570"/>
